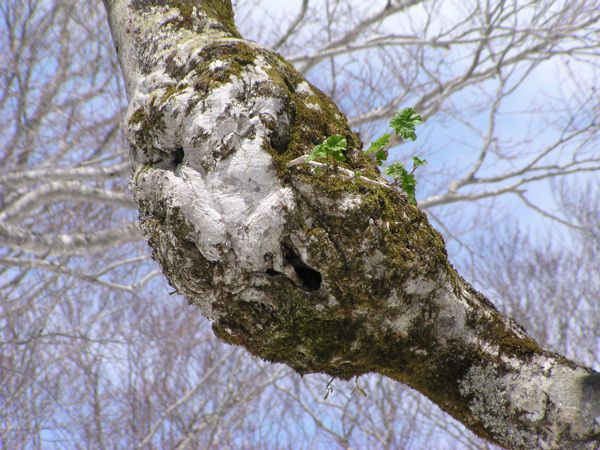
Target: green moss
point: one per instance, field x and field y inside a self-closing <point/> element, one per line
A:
<point x="292" y="331"/>
<point x="325" y="341"/>
<point x="148" y="124"/>
<point x="171" y="90"/>
<point x="520" y="346"/>
<point x="234" y="58"/>
<point x="137" y="116"/>
<point x="496" y="332"/>
<point x="412" y="246"/>
<point x="186" y="8"/>
<point x="220" y="11"/>
<point x="314" y="117"/>
<point x="510" y="343"/>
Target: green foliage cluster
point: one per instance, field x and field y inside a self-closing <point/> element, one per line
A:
<point x="403" y="124"/>
<point x="405" y="179"/>
<point x="333" y="147"/>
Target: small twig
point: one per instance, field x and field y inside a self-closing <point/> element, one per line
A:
<point x="358" y="388"/>
<point x="328" y="388"/>
<point x="347" y="172"/>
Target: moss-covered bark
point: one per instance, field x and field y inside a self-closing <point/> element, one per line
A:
<point x="314" y="269"/>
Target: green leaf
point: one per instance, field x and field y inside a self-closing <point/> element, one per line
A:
<point x="406" y="180"/>
<point x="404" y="123"/>
<point x="418" y="162"/>
<point x="317" y="153"/>
<point x="378" y="148"/>
<point x="396" y="170"/>
<point x="409" y="185"/>
<point x="332" y="147"/>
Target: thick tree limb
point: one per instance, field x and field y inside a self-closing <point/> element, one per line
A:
<point x="319" y="270"/>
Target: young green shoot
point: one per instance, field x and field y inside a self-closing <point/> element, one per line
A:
<point x="379" y="148"/>
<point x="405" y="179"/>
<point x="404" y="124"/>
<point x="333" y="147"/>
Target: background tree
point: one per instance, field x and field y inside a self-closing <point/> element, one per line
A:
<point x="71" y="312"/>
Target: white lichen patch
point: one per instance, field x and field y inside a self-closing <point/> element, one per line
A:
<point x="452" y="315"/>
<point x="419" y="286"/>
<point x="542" y="398"/>
<point x="374" y="261"/>
<point x="307" y="92"/>
<point x="402" y="323"/>
<point x="304" y="88"/>
<point x="216" y="65"/>
<point x="349" y="202"/>
<point x="530" y="398"/>
<point x="393" y="300"/>
<point x="555" y="396"/>
<point x="490" y="405"/>
<point x="225" y="189"/>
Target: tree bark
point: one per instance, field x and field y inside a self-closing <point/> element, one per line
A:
<point x="323" y="270"/>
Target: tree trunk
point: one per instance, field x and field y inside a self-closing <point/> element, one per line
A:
<point x="322" y="269"/>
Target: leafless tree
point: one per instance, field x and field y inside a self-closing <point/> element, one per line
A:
<point x="96" y="353"/>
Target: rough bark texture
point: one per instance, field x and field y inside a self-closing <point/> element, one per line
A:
<point x="315" y="269"/>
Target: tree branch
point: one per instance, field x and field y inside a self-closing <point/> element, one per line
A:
<point x="66" y="244"/>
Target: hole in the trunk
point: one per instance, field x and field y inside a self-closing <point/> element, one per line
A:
<point x="178" y="156"/>
<point x="311" y="279"/>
